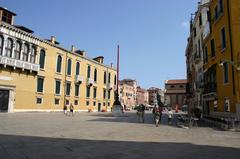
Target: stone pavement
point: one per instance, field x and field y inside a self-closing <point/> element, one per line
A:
<point x="101" y="136"/>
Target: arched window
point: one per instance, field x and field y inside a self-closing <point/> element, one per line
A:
<point x="59" y="64"/>
<point x="77" y="68"/>
<point x="33" y="55"/>
<point x="95" y="75"/>
<point x="25" y="52"/>
<point x="115" y="80"/>
<point x="1" y="44"/>
<point x="17" y="50"/>
<point x="9" y="47"/>
<point x="69" y="68"/>
<point x="105" y="78"/>
<point x="109" y="77"/>
<point x="88" y="72"/>
<point x="42" y="59"/>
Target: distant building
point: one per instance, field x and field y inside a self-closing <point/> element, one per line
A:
<point x="128" y="92"/>
<point x="175" y="92"/>
<point x="152" y="93"/>
<point x="142" y="96"/>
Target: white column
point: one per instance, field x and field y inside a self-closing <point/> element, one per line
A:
<point x="29" y="52"/>
<point x="13" y="48"/>
<point x="21" y="50"/>
<point x="4" y="45"/>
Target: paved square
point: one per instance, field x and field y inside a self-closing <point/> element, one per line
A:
<point x="101" y="136"/>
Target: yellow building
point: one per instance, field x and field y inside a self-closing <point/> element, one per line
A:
<point x="40" y="75"/>
<point x="221" y="59"/>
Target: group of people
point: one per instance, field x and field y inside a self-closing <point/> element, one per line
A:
<point x="157" y="114"/>
<point x="65" y="110"/>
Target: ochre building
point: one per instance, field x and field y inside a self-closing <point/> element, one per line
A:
<point x="40" y="75"/>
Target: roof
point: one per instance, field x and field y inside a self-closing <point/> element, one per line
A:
<point x="24" y="29"/>
<point x="176" y="81"/>
<point x="181" y="91"/>
<point x="5" y="9"/>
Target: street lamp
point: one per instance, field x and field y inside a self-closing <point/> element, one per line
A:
<point x="236" y="65"/>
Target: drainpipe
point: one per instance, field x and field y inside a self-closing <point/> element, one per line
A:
<point x="65" y="81"/>
<point x="231" y="47"/>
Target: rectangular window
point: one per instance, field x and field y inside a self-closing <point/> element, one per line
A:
<point x="206" y="54"/>
<point x="39" y="100"/>
<point x="216" y="12"/>
<point x="94" y="103"/>
<point x="223" y="38"/>
<point x="213" y="50"/>
<point x="68" y="88"/>
<point x="75" y="102"/>
<point x="104" y="104"/>
<point x="57" y="101"/>
<point x="225" y="72"/>
<point x="57" y="87"/>
<point x="87" y="103"/>
<point x="76" y="90"/>
<point x="7" y="17"/>
<point x="108" y="104"/>
<point x="200" y="19"/>
<point x="40" y="81"/>
<point x="221" y="6"/>
<point x="104" y="93"/>
<point x="95" y="92"/>
<point x="88" y="92"/>
<point x="109" y="94"/>
<point x="67" y="102"/>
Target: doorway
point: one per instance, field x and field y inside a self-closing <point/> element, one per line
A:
<point x="99" y="107"/>
<point x="4" y="100"/>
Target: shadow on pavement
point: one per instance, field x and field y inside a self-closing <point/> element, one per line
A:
<point x="22" y="147"/>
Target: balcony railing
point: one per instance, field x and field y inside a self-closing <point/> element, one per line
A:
<point x="206" y="30"/>
<point x="197" y="58"/>
<point x="6" y="61"/>
<point x="210" y="87"/>
<point x="110" y="86"/>
<point x="90" y="81"/>
<point x="78" y="79"/>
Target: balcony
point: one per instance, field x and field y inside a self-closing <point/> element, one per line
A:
<point x="197" y="58"/>
<point x="206" y="30"/>
<point x="110" y="86"/>
<point x="210" y="88"/>
<point x="6" y="61"/>
<point x="78" y="79"/>
<point x="90" y="81"/>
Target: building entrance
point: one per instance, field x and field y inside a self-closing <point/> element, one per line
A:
<point x="99" y="107"/>
<point x="4" y="100"/>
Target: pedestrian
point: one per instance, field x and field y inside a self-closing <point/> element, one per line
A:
<point x="71" y="109"/>
<point x="157" y="114"/>
<point x="140" y="112"/>
<point x="170" y="115"/>
<point x="65" y="110"/>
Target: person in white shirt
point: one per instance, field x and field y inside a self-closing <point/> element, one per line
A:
<point x="170" y="115"/>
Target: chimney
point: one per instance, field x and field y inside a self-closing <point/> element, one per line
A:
<point x="73" y="49"/>
<point x="99" y="59"/>
<point x="53" y="39"/>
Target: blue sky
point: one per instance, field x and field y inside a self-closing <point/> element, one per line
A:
<point x="152" y="33"/>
